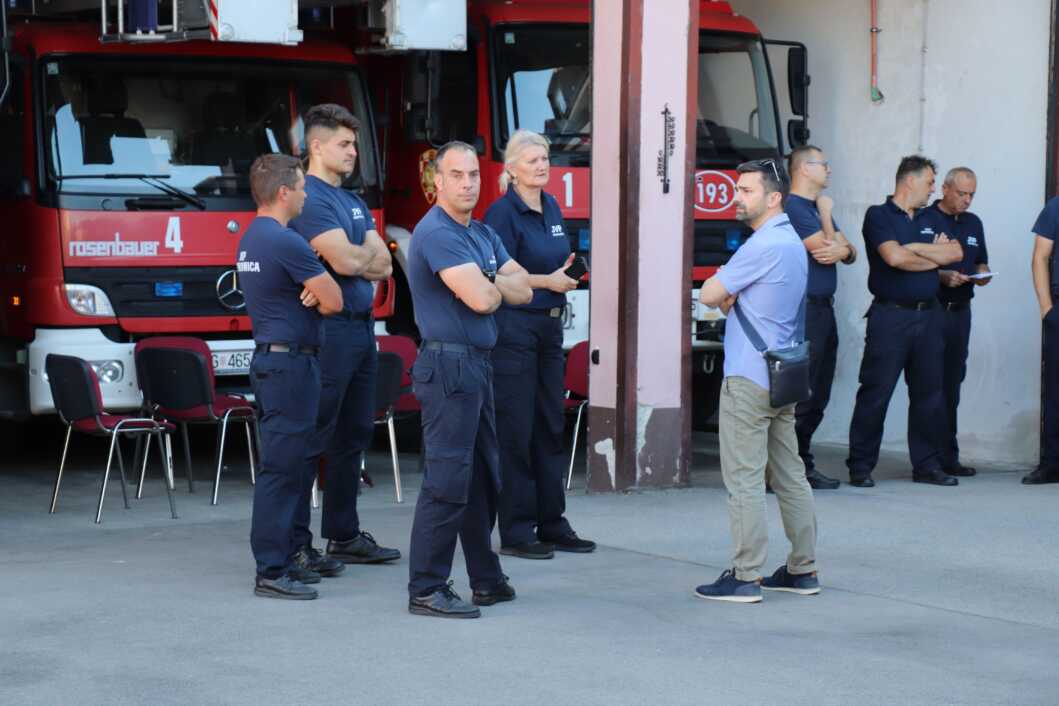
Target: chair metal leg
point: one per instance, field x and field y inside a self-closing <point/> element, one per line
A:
<point x="314" y="496"/>
<point x="220" y="456"/>
<point x="106" y="477"/>
<point x="62" y="464"/>
<point x="250" y="452"/>
<point x="573" y="447"/>
<point x="393" y="454"/>
<point x="165" y="448"/>
<point x="187" y="457"/>
<point x="121" y="468"/>
<point x="136" y="455"/>
<point x="143" y="463"/>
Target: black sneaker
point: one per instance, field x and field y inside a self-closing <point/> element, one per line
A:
<point x="862" y="481"/>
<point x="362" y="549"/>
<point x="783" y="580"/>
<point x="572" y="543"/>
<point x="818" y="481"/>
<point x="728" y="588"/>
<point x="284" y="587"/>
<point x="310" y="559"/>
<point x="500" y="593"/>
<point x="529" y="550"/>
<point x="442" y="603"/>
<point x="1041" y="475"/>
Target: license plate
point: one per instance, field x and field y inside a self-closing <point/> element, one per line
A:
<point x="232" y="362"/>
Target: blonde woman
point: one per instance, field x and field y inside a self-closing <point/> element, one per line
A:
<point x="528" y="361"/>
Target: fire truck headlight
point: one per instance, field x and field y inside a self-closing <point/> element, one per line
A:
<point x="88" y="300"/>
<point x="108" y="370"/>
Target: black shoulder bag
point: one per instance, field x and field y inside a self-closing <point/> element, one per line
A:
<point x="788" y="367"/>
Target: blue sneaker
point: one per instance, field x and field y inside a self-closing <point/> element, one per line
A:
<point x="783" y="580"/>
<point x="728" y="588"/>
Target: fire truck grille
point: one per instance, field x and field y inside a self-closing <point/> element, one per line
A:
<point x="157" y="291"/>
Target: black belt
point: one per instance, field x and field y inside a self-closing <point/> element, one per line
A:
<point x="347" y="315"/>
<point x="555" y="312"/>
<point x="455" y="348"/>
<point x="821" y="301"/>
<point x="955" y="306"/>
<point x="286" y="348"/>
<point x="913" y="304"/>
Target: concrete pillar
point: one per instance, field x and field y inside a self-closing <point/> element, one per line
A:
<point x="643" y="108"/>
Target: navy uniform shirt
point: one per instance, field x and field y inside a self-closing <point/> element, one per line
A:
<point x="823" y="279"/>
<point x="889" y="222"/>
<point x="438" y="242"/>
<point x="1047" y="226"/>
<point x="537" y="241"/>
<point x="966" y="228"/>
<point x="274" y="263"/>
<point x="326" y="208"/>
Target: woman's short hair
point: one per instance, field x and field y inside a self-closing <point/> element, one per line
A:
<point x="520" y="140"/>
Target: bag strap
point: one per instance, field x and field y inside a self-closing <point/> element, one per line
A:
<point x="755" y="337"/>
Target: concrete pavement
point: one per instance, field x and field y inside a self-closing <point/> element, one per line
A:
<point x="930" y="596"/>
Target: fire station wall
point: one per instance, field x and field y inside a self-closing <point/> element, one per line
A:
<point x="977" y="97"/>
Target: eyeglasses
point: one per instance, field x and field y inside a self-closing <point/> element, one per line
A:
<point x="761" y="165"/>
<point x="825" y="165"/>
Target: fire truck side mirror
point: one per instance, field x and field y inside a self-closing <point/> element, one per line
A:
<point x="798" y="79"/>
<point x="797" y="133"/>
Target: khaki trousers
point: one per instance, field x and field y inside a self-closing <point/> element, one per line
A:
<point x="758" y="443"/>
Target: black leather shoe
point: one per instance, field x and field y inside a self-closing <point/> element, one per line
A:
<point x="529" y="550"/>
<point x="310" y="559"/>
<point x="362" y="549"/>
<point x="284" y="587"/>
<point x="303" y="575"/>
<point x="442" y="603"/>
<point x="960" y="470"/>
<point x="862" y="481"/>
<point x="1041" y="475"/>
<point x="934" y="477"/>
<point x="572" y="543"/>
<point x="500" y="593"/>
<point x="818" y="481"/>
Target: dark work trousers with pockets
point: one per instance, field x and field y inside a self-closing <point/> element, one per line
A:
<point x="1050" y="435"/>
<point x="287" y="389"/>
<point x="461" y="478"/>
<point x="528" y="371"/>
<point x="344" y="427"/>
<point x="909" y="341"/>
<point x="956" y="332"/>
<point x="822" y="334"/>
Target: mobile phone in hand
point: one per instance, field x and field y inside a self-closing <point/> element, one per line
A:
<point x="578" y="269"/>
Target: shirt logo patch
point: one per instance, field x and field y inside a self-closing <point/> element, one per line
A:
<point x="358" y="215"/>
<point x="557" y="232"/>
<point x="972" y="241"/>
<point x="927" y="231"/>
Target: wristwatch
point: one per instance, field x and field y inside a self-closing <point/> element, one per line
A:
<point x="491" y="276"/>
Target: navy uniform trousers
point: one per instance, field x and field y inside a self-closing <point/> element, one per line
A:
<point x="822" y="334"/>
<point x="287" y="389"/>
<point x="899" y="340"/>
<point x="344" y="427"/>
<point x="956" y="332"/>
<point x="1050" y="388"/>
<point x="461" y="477"/>
<point x="528" y="374"/>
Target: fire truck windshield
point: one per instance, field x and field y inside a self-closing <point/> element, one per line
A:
<point x="545" y="84"/>
<point x="134" y="128"/>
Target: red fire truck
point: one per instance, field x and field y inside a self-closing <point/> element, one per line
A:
<point x="124" y="188"/>
<point x="527" y="65"/>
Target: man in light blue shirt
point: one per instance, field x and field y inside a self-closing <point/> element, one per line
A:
<point x="768" y="276"/>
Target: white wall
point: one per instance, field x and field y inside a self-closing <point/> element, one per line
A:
<point x="986" y="74"/>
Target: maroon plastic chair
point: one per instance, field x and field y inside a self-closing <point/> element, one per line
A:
<point x="79" y="402"/>
<point x="177" y="379"/>
<point x="406" y="348"/>
<point x="576" y="383"/>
